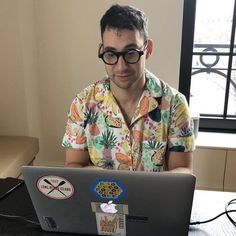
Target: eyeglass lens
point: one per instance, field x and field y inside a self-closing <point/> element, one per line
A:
<point x="131" y="56"/>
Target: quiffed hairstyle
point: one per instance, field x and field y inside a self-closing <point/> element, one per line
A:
<point x="125" y="17"/>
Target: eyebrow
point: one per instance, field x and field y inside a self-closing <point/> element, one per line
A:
<point x="132" y="45"/>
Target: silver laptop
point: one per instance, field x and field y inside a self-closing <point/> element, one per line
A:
<point x="108" y="202"/>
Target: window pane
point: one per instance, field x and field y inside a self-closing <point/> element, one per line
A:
<point x="208" y="84"/>
<point x="213" y="25"/>
<point x="232" y="91"/>
<point x="234" y="42"/>
<point x="212" y="64"/>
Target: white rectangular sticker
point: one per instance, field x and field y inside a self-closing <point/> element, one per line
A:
<point x="121" y="208"/>
<point x="111" y="224"/>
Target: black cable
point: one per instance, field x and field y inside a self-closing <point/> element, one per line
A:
<point x="7" y="193"/>
<point x="11" y="189"/>
<point x="233" y="201"/>
<point x="21" y="218"/>
<point x="206" y="221"/>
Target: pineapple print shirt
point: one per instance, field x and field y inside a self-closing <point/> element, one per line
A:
<point x="160" y="124"/>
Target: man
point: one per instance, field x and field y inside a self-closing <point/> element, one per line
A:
<point x="130" y="120"/>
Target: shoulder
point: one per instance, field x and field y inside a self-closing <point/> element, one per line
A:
<point x="159" y="88"/>
<point x="94" y="91"/>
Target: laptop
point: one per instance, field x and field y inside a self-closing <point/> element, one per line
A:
<point x="110" y="202"/>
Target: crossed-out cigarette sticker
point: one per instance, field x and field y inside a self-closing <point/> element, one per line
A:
<point x="55" y="187"/>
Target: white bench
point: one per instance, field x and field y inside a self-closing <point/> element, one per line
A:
<point x="16" y="151"/>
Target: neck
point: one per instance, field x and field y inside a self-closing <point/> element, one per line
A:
<point x="130" y="95"/>
<point x="127" y="99"/>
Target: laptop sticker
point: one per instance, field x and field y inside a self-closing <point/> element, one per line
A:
<point x="108" y="189"/>
<point x="55" y="187"/>
<point x="110" y="207"/>
<point x="111" y="224"/>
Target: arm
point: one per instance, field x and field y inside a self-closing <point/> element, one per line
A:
<point x="180" y="162"/>
<point x="77" y="158"/>
<point x="181" y="138"/>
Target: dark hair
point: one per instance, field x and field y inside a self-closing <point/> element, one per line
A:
<point x="125" y="17"/>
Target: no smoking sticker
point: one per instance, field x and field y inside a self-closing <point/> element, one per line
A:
<point x="55" y="187"/>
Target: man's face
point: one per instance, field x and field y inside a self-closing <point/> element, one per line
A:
<point x="122" y="74"/>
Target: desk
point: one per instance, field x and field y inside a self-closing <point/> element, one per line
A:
<point x="206" y="205"/>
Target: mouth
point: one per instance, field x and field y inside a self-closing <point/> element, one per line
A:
<point x="123" y="77"/>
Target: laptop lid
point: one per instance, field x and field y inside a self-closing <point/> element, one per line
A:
<point x="108" y="202"/>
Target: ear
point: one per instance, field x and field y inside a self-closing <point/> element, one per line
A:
<point x="149" y="48"/>
<point x="99" y="47"/>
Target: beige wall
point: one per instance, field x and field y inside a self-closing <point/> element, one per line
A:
<point x="48" y="52"/>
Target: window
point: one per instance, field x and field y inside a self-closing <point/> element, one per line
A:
<point x="208" y="62"/>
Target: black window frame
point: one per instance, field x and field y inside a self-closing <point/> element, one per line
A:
<point x="208" y="124"/>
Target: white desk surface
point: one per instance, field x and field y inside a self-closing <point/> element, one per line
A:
<point x="208" y="204"/>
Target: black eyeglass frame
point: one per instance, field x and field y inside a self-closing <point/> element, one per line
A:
<point x="123" y="53"/>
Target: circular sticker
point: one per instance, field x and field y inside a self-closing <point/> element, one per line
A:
<point x="55" y="187"/>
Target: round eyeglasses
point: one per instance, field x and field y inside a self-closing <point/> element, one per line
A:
<point x="130" y="56"/>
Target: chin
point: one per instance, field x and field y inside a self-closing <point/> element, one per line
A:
<point x="125" y="83"/>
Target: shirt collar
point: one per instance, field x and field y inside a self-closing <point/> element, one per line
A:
<point x="149" y="100"/>
<point x="153" y="85"/>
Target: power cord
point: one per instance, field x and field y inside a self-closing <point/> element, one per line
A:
<point x="233" y="201"/>
<point x="4" y="195"/>
<point x="20" y="218"/>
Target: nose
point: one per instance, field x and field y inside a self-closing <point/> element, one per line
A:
<point x="121" y="64"/>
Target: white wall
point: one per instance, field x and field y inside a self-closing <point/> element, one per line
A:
<point x="19" y="100"/>
<point x="49" y="53"/>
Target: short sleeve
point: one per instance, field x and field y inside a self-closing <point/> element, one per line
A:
<point x="181" y="132"/>
<point x="74" y="136"/>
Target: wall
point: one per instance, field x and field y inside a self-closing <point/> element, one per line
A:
<point x="19" y="100"/>
<point x="49" y="53"/>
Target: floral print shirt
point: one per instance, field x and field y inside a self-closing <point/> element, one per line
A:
<point x="161" y="123"/>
